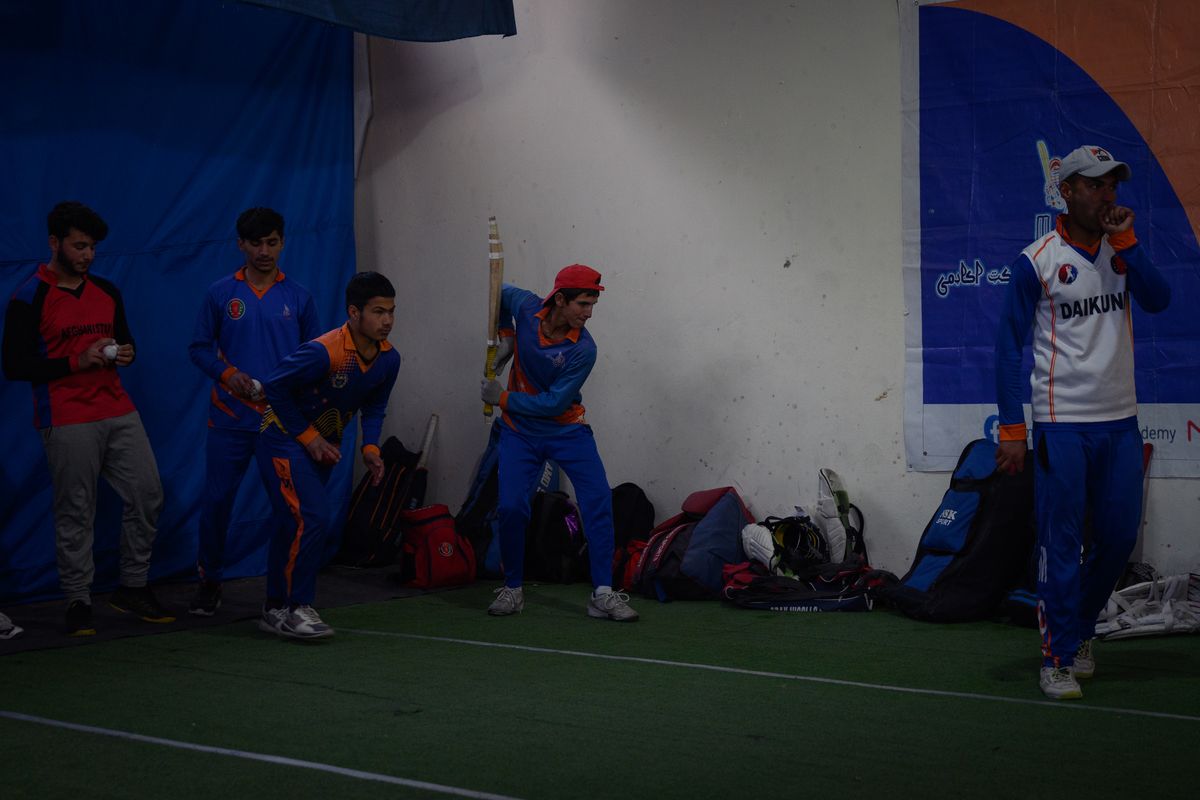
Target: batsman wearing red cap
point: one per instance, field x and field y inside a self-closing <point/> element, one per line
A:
<point x="543" y="418"/>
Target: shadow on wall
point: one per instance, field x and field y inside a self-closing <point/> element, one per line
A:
<point x="425" y="80"/>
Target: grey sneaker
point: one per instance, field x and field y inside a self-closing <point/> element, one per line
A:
<point x="1059" y="684"/>
<point x="8" y="629"/>
<point x="611" y="605"/>
<point x="508" y="601"/>
<point x="303" y="622"/>
<point x="271" y="620"/>
<point x="1085" y="662"/>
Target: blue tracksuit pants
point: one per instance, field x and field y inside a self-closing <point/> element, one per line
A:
<point x="1078" y="468"/>
<point x="574" y="450"/>
<point x="298" y="488"/>
<point x="227" y="454"/>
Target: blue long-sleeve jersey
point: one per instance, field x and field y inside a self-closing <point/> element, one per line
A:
<point x="242" y="329"/>
<point x="546" y="377"/>
<point x="317" y="390"/>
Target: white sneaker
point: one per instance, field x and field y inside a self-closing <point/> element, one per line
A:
<point x="8" y="629"/>
<point x="611" y="605"/>
<point x="508" y="601"/>
<point x="1059" y="684"/>
<point x="303" y="622"/>
<point x="271" y="620"/>
<point x="1085" y="662"/>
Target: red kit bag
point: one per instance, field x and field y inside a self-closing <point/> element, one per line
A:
<point x="433" y="553"/>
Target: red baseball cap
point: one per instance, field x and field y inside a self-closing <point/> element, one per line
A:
<point x="576" y="276"/>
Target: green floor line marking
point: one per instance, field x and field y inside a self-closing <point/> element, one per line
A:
<point x="264" y="757"/>
<point x="1057" y="704"/>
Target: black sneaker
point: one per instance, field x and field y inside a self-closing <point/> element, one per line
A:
<point x="79" y="619"/>
<point x="141" y="602"/>
<point x="207" y="599"/>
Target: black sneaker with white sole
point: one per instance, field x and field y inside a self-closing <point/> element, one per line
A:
<point x="206" y="600"/>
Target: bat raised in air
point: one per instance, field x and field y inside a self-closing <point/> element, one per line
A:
<point x="495" y="281"/>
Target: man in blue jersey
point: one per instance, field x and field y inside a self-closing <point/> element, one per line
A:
<point x="1072" y="286"/>
<point x="543" y="418"/>
<point x="312" y="397"/>
<point x="249" y="321"/>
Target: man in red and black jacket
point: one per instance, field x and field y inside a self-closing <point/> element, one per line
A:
<point x="65" y="332"/>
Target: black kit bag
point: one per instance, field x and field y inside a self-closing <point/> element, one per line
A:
<point x="633" y="519"/>
<point x="633" y="515"/>
<point x="555" y="545"/>
<point x="976" y="546"/>
<point x="372" y="534"/>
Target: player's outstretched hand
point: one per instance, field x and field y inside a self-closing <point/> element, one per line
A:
<point x="1010" y="457"/>
<point x="94" y="357"/>
<point x="124" y="355"/>
<point x="1116" y="219"/>
<point x="242" y="384"/>
<point x="374" y="465"/>
<point x="322" y="452"/>
<point x="489" y="392"/>
<point x="504" y="351"/>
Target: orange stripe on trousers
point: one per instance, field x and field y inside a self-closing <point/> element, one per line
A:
<point x="283" y="468"/>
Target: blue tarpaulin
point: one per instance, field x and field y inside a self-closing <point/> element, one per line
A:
<point x="410" y="20"/>
<point x="169" y="119"/>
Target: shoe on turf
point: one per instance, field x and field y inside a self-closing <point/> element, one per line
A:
<point x="141" y="602"/>
<point x="207" y="599"/>
<point x="303" y="622"/>
<point x="508" y="601"/>
<point x="271" y="620"/>
<point x="8" y="628"/>
<point x="78" y="621"/>
<point x="611" y="605"/>
<point x="1059" y="684"/>
<point x="1085" y="662"/>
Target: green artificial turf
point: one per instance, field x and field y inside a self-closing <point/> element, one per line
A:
<point x="392" y="694"/>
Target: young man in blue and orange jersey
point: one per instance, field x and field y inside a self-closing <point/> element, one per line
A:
<point x="544" y="419"/>
<point x="249" y="322"/>
<point x="66" y="333"/>
<point x="1072" y="286"/>
<point x="312" y="397"/>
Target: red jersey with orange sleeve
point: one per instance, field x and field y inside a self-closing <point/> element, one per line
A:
<point x="240" y="328"/>
<point x="317" y="390"/>
<point x="46" y="327"/>
<point x="546" y="377"/>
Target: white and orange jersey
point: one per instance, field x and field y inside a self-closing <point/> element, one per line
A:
<point x="1078" y="303"/>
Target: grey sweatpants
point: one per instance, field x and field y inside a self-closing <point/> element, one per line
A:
<point x="118" y="449"/>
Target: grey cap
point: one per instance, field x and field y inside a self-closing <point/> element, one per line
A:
<point x="1091" y="162"/>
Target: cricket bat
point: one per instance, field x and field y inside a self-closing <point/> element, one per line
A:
<point x="495" y="281"/>
<point x="415" y="496"/>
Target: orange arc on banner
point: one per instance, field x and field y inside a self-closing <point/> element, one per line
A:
<point x="1143" y="54"/>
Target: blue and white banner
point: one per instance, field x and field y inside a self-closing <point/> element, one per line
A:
<point x="995" y="93"/>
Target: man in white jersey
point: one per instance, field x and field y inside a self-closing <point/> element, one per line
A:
<point x="1072" y="286"/>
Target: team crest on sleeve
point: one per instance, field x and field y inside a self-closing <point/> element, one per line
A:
<point x="1118" y="265"/>
<point x="1067" y="274"/>
<point x="236" y="308"/>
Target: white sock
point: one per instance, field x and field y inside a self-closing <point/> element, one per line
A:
<point x="602" y="590"/>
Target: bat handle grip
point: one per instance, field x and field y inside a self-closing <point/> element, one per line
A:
<point x="489" y="372"/>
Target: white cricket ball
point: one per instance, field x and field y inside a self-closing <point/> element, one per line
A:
<point x="110" y="352"/>
<point x="257" y="387"/>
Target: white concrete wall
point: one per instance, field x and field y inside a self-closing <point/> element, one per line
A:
<point x="733" y="171"/>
